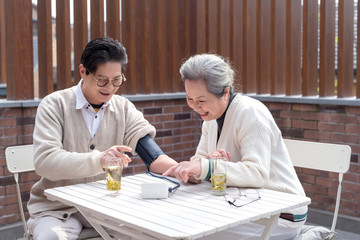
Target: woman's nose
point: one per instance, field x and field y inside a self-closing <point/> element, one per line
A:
<point x="196" y="106"/>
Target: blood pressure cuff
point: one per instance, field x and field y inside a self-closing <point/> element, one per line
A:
<point x="148" y="150"/>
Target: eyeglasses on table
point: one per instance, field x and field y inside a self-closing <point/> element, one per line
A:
<point x="238" y="198"/>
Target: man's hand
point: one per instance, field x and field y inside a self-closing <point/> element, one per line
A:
<point x="116" y="151"/>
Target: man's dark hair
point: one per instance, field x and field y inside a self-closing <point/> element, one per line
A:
<point x="103" y="50"/>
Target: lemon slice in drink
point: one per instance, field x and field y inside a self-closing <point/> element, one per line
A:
<point x="218" y="182"/>
<point x="111" y="183"/>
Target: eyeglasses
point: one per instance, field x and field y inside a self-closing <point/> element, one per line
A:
<point x="103" y="81"/>
<point x="238" y="199"/>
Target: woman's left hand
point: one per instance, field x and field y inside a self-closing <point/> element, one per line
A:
<point x="220" y="153"/>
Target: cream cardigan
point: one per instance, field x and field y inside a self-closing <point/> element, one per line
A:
<point x="64" y="151"/>
<point x="259" y="157"/>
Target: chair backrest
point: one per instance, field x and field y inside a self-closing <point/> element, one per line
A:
<point x="20" y="159"/>
<point x="321" y="156"/>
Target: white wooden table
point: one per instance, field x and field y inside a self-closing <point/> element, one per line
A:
<point x="190" y="212"/>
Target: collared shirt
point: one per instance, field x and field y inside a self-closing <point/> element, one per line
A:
<point x="91" y="117"/>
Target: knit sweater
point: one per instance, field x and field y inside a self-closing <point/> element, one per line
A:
<point x="64" y="151"/>
<point x="259" y="157"/>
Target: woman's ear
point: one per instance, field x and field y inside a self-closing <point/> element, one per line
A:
<point x="227" y="93"/>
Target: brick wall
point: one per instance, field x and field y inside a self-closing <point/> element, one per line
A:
<point x="334" y="124"/>
<point x="16" y="127"/>
<point x="178" y="129"/>
<point x="178" y="132"/>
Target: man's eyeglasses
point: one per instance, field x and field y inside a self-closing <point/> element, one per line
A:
<point x="103" y="81"/>
<point x="238" y="199"/>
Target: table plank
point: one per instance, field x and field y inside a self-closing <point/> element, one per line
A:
<point x="135" y="207"/>
<point x="112" y="215"/>
<point x="178" y="210"/>
<point x="190" y="212"/>
<point x="189" y="198"/>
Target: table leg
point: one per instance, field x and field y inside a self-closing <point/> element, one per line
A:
<point x="97" y="226"/>
<point x="270" y="224"/>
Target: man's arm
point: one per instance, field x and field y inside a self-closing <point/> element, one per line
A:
<point x="162" y="163"/>
<point x="153" y="157"/>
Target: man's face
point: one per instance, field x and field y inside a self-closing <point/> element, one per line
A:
<point x="92" y="92"/>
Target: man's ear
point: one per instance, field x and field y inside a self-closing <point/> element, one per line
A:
<point x="82" y="70"/>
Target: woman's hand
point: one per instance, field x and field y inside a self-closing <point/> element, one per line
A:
<point x="116" y="151"/>
<point x="220" y="153"/>
<point x="185" y="171"/>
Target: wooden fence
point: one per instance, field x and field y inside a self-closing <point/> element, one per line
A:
<point x="288" y="48"/>
<point x="278" y="47"/>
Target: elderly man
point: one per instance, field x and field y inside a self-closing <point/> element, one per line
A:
<point x="77" y="129"/>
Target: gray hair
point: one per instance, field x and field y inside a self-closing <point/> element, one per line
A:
<point x="212" y="69"/>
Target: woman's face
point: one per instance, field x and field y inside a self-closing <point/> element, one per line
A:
<point x="206" y="104"/>
<point x="92" y="92"/>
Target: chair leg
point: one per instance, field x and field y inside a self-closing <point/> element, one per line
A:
<point x="27" y="235"/>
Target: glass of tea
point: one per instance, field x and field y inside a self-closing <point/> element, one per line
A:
<point x="113" y="170"/>
<point x="218" y="175"/>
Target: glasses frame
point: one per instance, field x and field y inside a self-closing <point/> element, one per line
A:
<point x="122" y="77"/>
<point x="241" y="194"/>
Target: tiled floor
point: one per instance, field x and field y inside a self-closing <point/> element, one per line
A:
<point x="342" y="235"/>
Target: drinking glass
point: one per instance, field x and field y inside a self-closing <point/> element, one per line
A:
<point x="113" y="170"/>
<point x="218" y="175"/>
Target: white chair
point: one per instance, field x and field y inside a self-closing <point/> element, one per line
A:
<point x="321" y="156"/>
<point x="19" y="159"/>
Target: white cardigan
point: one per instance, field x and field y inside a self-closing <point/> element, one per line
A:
<point x="259" y="157"/>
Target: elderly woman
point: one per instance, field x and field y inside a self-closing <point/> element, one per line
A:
<point x="243" y="130"/>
